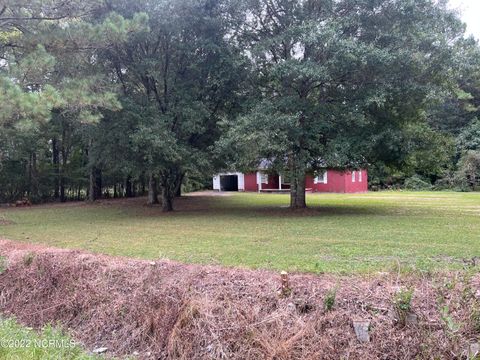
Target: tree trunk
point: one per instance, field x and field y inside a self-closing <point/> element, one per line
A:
<point x="170" y="180"/>
<point x="62" y="186"/>
<point x="167" y="199"/>
<point x="34" y="176"/>
<point x="152" y="191"/>
<point x="178" y="190"/>
<point x="91" y="187"/>
<point x="56" y="167"/>
<point x="297" y="187"/>
<point x="128" y="187"/>
<point x="98" y="183"/>
<point x="62" y="189"/>
<point x="143" y="189"/>
<point x="95" y="184"/>
<point x="65" y="153"/>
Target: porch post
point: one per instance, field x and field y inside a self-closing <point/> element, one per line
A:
<point x="259" y="181"/>
<point x="279" y="182"/>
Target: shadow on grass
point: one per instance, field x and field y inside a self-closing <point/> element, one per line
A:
<point x="207" y="206"/>
<point x="218" y="206"/>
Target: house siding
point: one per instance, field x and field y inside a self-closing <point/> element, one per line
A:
<point x="251" y="182"/>
<point x="337" y="182"/>
<point x="357" y="186"/>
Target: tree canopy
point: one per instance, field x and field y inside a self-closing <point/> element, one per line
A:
<point x="102" y="98"/>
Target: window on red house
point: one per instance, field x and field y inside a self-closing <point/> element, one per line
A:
<point x="321" y="177"/>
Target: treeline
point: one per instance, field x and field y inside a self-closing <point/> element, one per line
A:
<point x="124" y="98"/>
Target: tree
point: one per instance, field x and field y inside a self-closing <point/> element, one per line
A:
<point x="180" y="74"/>
<point x="50" y="72"/>
<point x="335" y="76"/>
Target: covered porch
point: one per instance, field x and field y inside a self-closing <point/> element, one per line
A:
<point x="273" y="183"/>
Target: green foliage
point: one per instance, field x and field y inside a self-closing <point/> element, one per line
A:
<point x="468" y="174"/>
<point x="469" y="138"/>
<point x="330" y="298"/>
<point x="417" y="183"/>
<point x="402" y="303"/>
<point x="475" y="318"/>
<point x="452" y="326"/>
<point x="120" y="98"/>
<point x="336" y="88"/>
<point x="180" y="73"/>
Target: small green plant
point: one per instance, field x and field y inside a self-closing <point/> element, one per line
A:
<point x="452" y="326"/>
<point x="3" y="264"/>
<point x="330" y="297"/>
<point x="285" y="289"/>
<point x="475" y="318"/>
<point x="402" y="303"/>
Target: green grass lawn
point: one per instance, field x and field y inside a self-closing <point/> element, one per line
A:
<point x="338" y="233"/>
<point x="20" y="343"/>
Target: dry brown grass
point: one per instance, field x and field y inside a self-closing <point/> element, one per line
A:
<point x="170" y="310"/>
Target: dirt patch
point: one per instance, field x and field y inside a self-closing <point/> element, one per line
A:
<point x="169" y="310"/>
<point x="5" y="222"/>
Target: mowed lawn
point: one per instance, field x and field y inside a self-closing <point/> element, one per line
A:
<point x="338" y="233"/>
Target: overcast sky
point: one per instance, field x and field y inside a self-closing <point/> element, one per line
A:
<point x="470" y="11"/>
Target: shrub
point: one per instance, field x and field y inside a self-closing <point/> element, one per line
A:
<point x="417" y="183"/>
<point x="468" y="174"/>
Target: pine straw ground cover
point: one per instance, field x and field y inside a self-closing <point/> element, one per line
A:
<point x="169" y="310"/>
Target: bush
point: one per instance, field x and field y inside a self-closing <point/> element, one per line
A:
<point x="417" y="183"/>
<point x="468" y="174"/>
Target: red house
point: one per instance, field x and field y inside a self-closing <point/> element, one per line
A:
<point x="328" y="181"/>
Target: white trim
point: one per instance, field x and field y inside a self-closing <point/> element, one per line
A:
<point x="262" y="177"/>
<point x="217" y="182"/>
<point x="259" y="181"/>
<point x="359" y="175"/>
<point x="241" y="182"/>
<point x="353" y="176"/>
<point x="323" y="179"/>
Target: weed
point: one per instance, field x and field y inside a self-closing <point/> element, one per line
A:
<point x="452" y="326"/>
<point x="28" y="258"/>
<point x="475" y="318"/>
<point x="402" y="303"/>
<point x="329" y="301"/>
